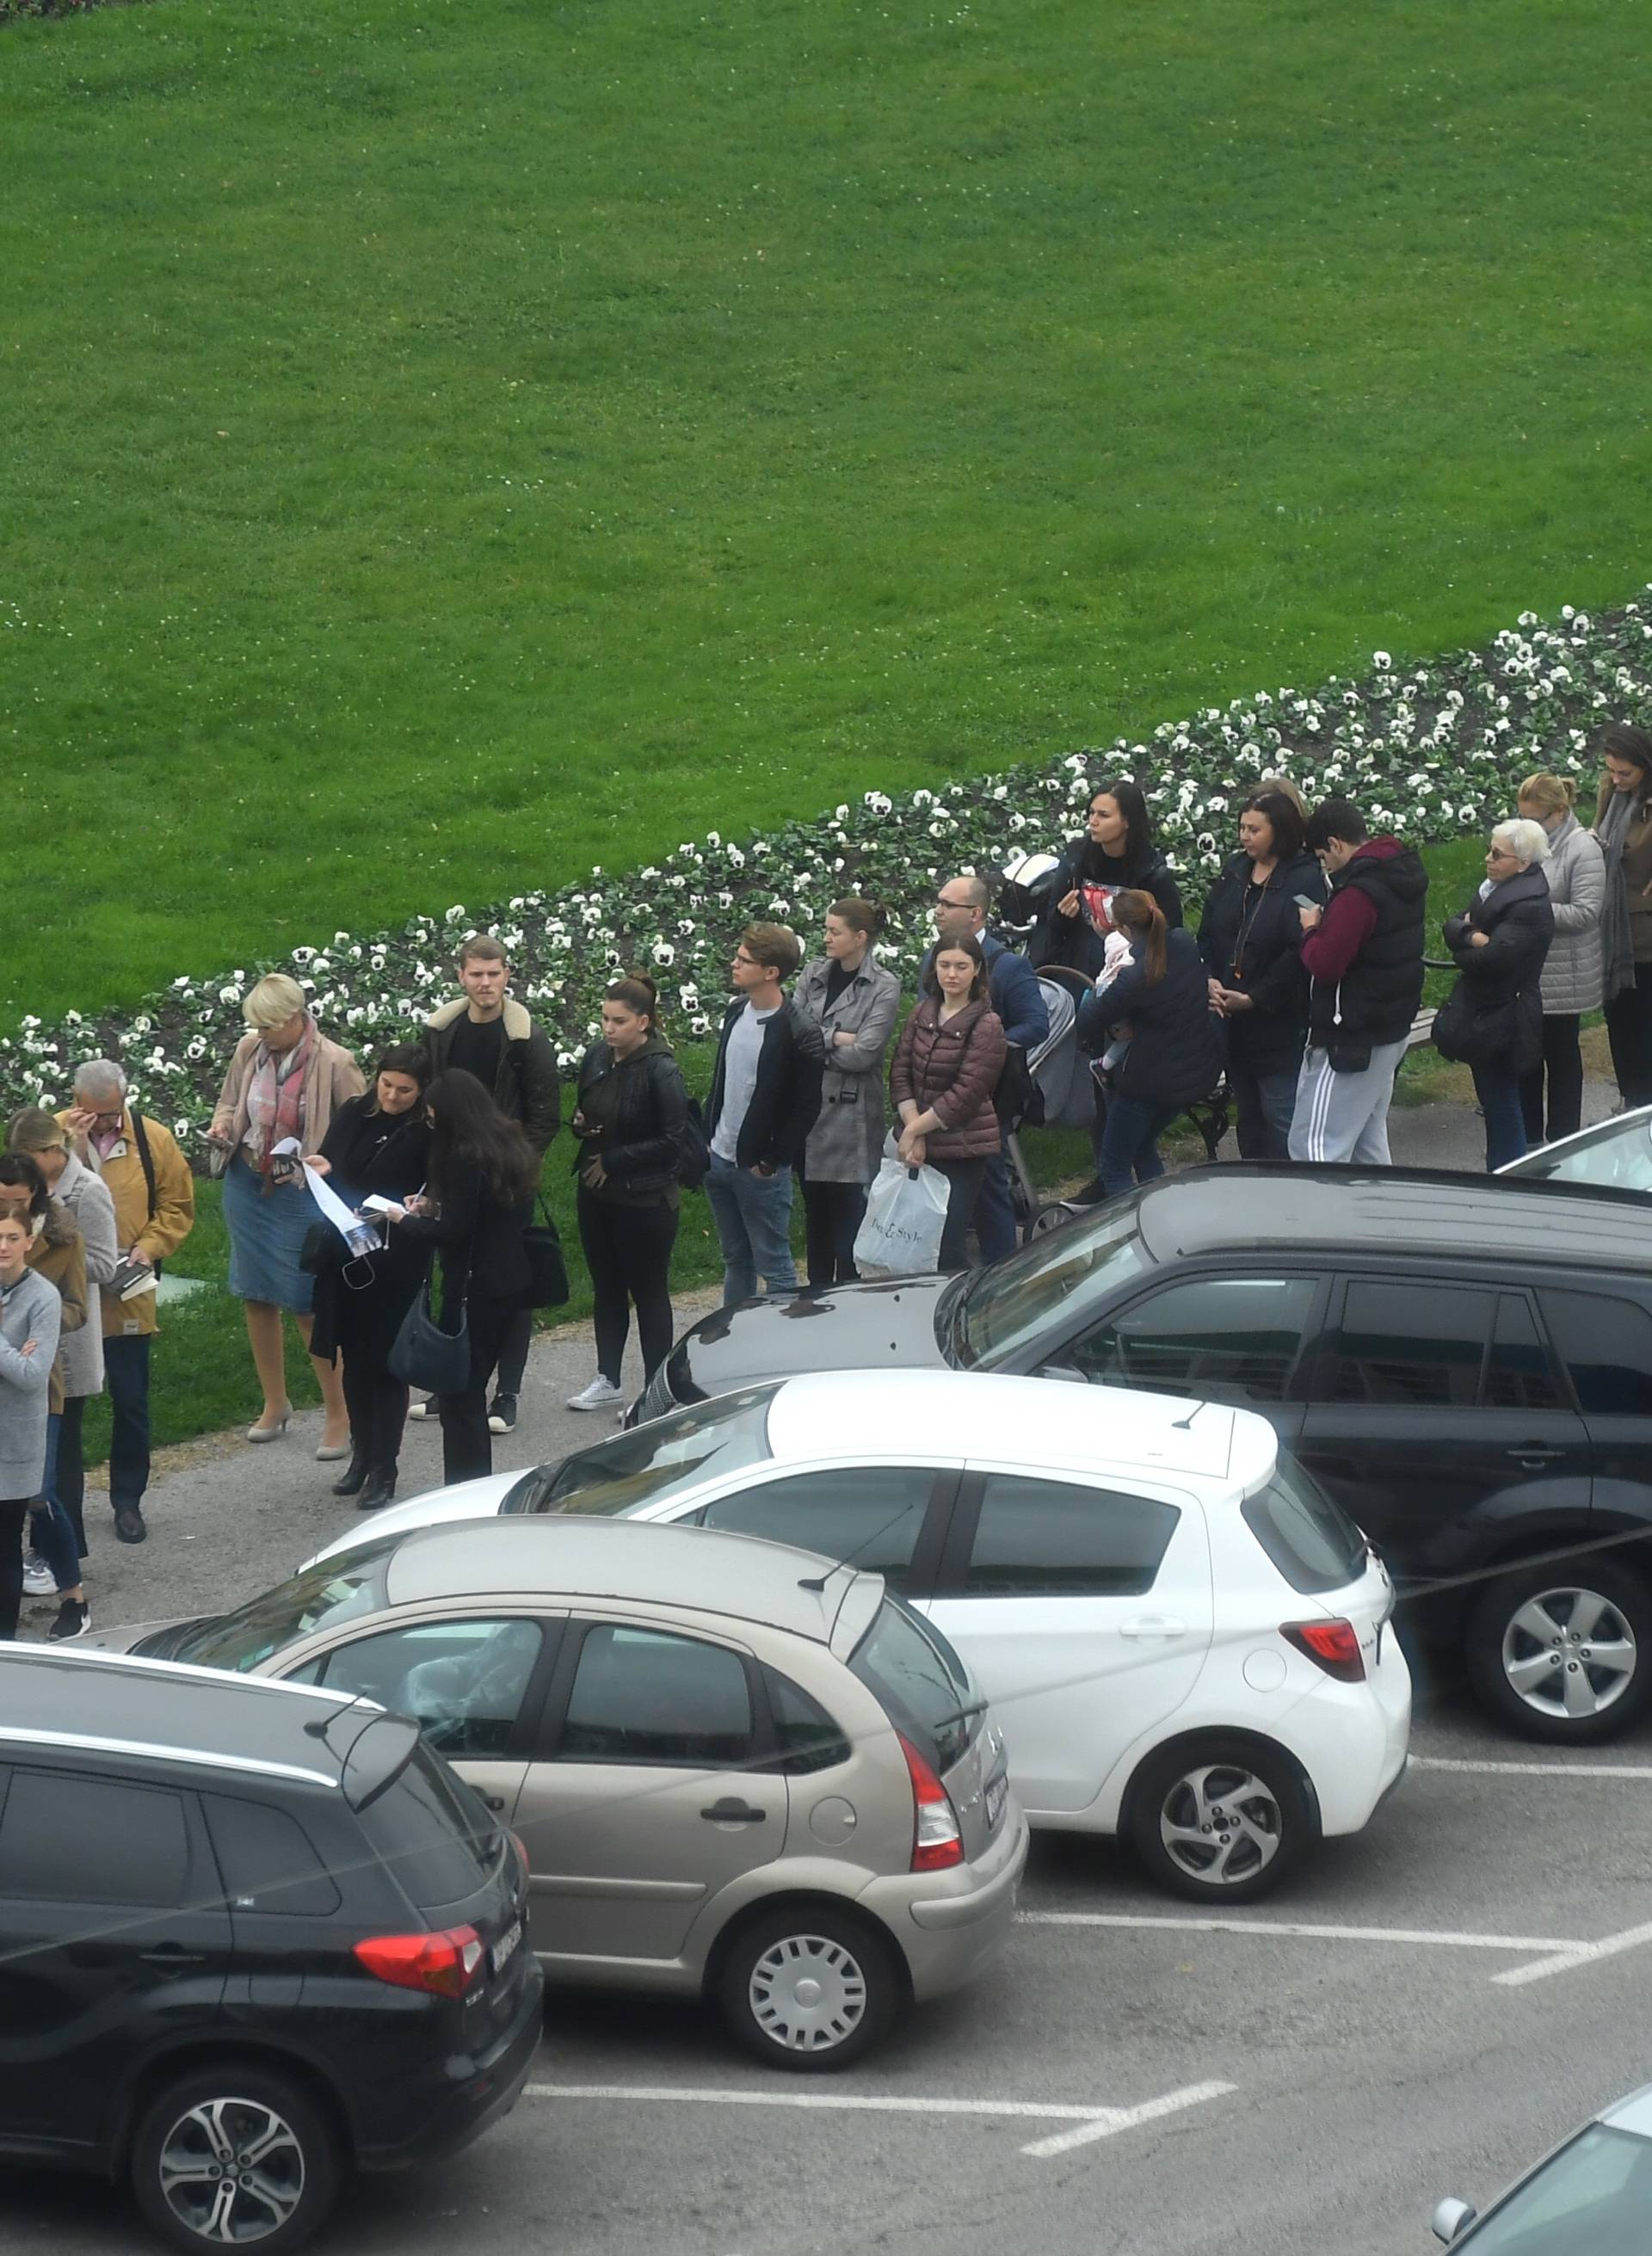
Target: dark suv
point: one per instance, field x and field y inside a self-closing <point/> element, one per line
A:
<point x="1466" y="1362"/>
<point x="250" y="1935"/>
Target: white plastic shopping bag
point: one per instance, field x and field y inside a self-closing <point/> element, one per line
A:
<point x="905" y="1214"/>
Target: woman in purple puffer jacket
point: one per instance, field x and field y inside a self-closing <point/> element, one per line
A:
<point x="946" y="1067"/>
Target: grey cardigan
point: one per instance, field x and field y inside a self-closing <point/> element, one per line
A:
<point x="29" y="1310"/>
<point x="1572" y="974"/>
<point x="87" y="1196"/>
<point x="845" y="1144"/>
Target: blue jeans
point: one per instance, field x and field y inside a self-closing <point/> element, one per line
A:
<point x="1498" y="1089"/>
<point x="126" y="1373"/>
<point x="1130" y="1142"/>
<point x="50" y="1531"/>
<point x="753" y="1215"/>
<point x="1263" y="1106"/>
<point x="994" y="1215"/>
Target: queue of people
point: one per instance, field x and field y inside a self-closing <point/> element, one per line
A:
<point x="1298" y="993"/>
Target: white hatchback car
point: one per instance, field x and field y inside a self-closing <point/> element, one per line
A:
<point x="1185" y="1641"/>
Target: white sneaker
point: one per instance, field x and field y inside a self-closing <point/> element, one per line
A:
<point x="38" y="1579"/>
<point x="425" y="1409"/>
<point x="601" y="1394"/>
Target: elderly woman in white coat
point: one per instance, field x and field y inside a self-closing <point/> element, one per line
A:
<point x="1573" y="976"/>
<point x="30" y="1312"/>
<point x="854" y="1002"/>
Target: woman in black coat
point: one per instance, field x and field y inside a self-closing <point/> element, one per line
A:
<point x="1159" y="1006"/>
<point x="376" y="1145"/>
<point x="1492" y="1021"/>
<point x="1119" y="851"/>
<point x="632" y="1111"/>
<point x="483" y="1174"/>
<point x="1251" y="938"/>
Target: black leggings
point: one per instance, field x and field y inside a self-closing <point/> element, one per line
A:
<point x="1562" y="1065"/>
<point x="832" y="1215"/>
<point x="628" y="1252"/>
<point x="13" y="1511"/>
<point x="377" y="1405"/>
<point x="467" y="1447"/>
<point x="1629" y="1032"/>
<point x="965" y="1176"/>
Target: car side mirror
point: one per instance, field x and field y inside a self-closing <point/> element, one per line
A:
<point x="1452" y="2218"/>
<point x="1058" y="1370"/>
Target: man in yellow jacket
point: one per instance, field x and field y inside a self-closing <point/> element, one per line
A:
<point x="154" y="1194"/>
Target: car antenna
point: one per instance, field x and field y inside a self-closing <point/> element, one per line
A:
<point x="1181" y="1425"/>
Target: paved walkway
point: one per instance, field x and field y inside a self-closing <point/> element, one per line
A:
<point x="225" y="1516"/>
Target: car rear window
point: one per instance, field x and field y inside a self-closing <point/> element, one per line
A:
<point x="1309" y="1536"/>
<point x="432" y="1833"/>
<point x="924" y="1688"/>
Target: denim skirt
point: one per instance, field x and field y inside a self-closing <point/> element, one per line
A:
<point x="266" y="1234"/>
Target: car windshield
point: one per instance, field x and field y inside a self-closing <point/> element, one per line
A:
<point x="1594" y="2195"/>
<point x="1051" y="1285"/>
<point x="1617" y="1154"/>
<point x="652" y="1461"/>
<point x="332" y="1590"/>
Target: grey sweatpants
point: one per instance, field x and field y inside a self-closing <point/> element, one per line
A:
<point x="1344" y="1116"/>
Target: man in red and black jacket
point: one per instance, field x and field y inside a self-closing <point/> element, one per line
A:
<point x="1363" y="953"/>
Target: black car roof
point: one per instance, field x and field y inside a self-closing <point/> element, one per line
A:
<point x="108" y="1703"/>
<point x="1402" y="1210"/>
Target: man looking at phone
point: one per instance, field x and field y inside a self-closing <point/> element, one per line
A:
<point x="1363" y="955"/>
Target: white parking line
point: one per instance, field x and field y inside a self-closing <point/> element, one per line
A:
<point x="1584" y="1954"/>
<point x="1531" y="1769"/>
<point x="1445" y="1937"/>
<point x="1089" y="2123"/>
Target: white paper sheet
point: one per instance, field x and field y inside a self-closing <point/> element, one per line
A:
<point x="359" y="1235"/>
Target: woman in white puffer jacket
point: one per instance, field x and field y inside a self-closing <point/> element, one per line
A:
<point x="1573" y="974"/>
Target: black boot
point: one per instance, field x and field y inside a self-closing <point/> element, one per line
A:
<point x="355" y="1473"/>
<point x="380" y="1489"/>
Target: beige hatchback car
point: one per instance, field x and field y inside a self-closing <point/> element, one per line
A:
<point x="737" y="1769"/>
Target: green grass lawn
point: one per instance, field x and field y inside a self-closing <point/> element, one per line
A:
<point x="448" y="445"/>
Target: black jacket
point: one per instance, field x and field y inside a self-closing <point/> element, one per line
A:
<point x="1376" y="996"/>
<point x="370" y="1151"/>
<point x="644" y="1108"/>
<point x="481" y="1243"/>
<point x="1073" y="940"/>
<point x="785" y="1102"/>
<point x="1496" y="1012"/>
<point x="1250" y="938"/>
<point x="1177" y="1050"/>
<point x="526" y="1089"/>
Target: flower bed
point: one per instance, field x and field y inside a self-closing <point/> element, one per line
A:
<point x="1431" y="749"/>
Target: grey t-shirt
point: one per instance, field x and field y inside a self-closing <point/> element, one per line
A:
<point x="740" y="1078"/>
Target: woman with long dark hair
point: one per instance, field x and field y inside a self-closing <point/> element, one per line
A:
<point x="946" y="1067"/>
<point x="630" y="1112"/>
<point x="1250" y="939"/>
<point x="377" y="1145"/>
<point x="1174" y="1050"/>
<point x="484" y="1173"/>
<point x="1118" y="851"/>
<point x="855" y="1001"/>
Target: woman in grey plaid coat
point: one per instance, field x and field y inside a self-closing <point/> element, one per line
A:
<point x="1573" y="974"/>
<point x="854" y="1002"/>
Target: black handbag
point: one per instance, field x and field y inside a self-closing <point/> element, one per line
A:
<point x="424" y="1355"/>
<point x="548" y="1286"/>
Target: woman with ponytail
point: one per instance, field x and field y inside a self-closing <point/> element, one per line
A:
<point x="1175" y="1051"/>
<point x="629" y="1123"/>
<point x="854" y="1001"/>
<point x="1573" y="973"/>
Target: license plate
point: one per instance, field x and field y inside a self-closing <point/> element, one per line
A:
<point x="997" y="1795"/>
<point x="505" y="1949"/>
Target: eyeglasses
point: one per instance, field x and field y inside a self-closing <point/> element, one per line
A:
<point x="1500" y="854"/>
<point x="945" y="901"/>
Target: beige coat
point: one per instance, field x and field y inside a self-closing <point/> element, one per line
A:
<point x="122" y="1174"/>
<point x="330" y="1079"/>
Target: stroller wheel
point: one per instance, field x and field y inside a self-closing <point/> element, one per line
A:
<point x="1046" y="1219"/>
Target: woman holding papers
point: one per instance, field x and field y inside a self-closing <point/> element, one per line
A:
<point x="285" y="1083"/>
<point x="378" y="1146"/>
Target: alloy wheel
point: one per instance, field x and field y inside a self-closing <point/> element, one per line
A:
<point x="808" y="1993"/>
<point x="1568" y="1653"/>
<point x="232" y="2171"/>
<point x="1221" y="1824"/>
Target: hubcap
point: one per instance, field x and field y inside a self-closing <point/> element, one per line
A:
<point x="1221" y="1824"/>
<point x="232" y="2171"/>
<point x="1569" y="1654"/>
<point x="808" y="1993"/>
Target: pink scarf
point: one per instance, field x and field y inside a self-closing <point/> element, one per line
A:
<point x="275" y="1096"/>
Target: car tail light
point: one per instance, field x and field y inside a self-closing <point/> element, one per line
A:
<point x="937" y="1843"/>
<point x="442" y="1964"/>
<point x="1334" y="1644"/>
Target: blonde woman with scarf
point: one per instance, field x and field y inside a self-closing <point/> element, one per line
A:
<point x="285" y="1082"/>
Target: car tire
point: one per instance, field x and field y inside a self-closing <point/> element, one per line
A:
<point x="809" y="1989"/>
<point x="1220" y="1820"/>
<point x="207" y="2120"/>
<point x="1583" y="1629"/>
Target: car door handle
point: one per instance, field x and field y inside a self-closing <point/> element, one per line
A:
<point x="730" y="1812"/>
<point x="494" y="1801"/>
<point x="1533" y="1453"/>
<point x="1153" y="1626"/>
<point x="172" y="1959"/>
